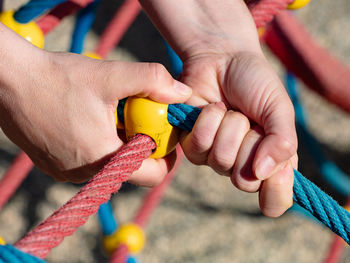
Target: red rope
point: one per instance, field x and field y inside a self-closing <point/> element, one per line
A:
<point x="264" y="11"/>
<point x="120" y="255"/>
<point x="149" y="204"/>
<point x="48" y="22"/>
<point x="156" y="194"/>
<point x="117" y="27"/>
<point x="14" y="176"/>
<point x="290" y="42"/>
<point x="86" y="202"/>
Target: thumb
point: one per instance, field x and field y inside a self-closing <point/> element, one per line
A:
<point x="124" y="79"/>
<point x="280" y="142"/>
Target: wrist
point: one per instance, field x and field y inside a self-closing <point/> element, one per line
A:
<point x="195" y="27"/>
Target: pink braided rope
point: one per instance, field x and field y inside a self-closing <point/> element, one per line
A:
<point x="86" y="202"/>
<point x="155" y="195"/>
<point x="264" y="11"/>
<point x="149" y="204"/>
<point x="14" y="176"/>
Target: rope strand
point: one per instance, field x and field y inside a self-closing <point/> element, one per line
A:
<point x="86" y="202"/>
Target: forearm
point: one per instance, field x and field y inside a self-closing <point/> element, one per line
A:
<point x="196" y="26"/>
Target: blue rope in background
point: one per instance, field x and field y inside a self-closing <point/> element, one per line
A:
<point x="34" y="8"/>
<point x="174" y="59"/>
<point x="83" y="24"/>
<point x="10" y="254"/>
<point x="328" y="169"/>
<point x="106" y="218"/>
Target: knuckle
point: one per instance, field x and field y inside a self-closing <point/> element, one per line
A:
<point x="244" y="185"/>
<point x="239" y="118"/>
<point x="288" y="146"/>
<point x="200" y="141"/>
<point x="221" y="163"/>
<point x="212" y="109"/>
<point x="158" y="72"/>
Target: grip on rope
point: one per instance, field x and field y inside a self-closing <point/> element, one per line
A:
<point x="298" y="4"/>
<point x="144" y="116"/>
<point x="29" y="31"/>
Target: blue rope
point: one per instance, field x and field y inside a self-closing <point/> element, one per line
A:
<point x="174" y="59"/>
<point x="33" y="9"/>
<point x="10" y="254"/>
<point x="183" y="116"/>
<point x="306" y="194"/>
<point x="329" y="170"/>
<point x="321" y="206"/>
<point x="83" y="24"/>
<point x="107" y="220"/>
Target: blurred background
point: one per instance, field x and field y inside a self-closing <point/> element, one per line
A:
<point x="202" y="217"/>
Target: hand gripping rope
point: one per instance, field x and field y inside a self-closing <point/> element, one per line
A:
<point x="64" y="221"/>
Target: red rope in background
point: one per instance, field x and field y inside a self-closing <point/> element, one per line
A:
<point x="48" y="22"/>
<point x="65" y="221"/>
<point x="294" y="47"/>
<point x="117" y="27"/>
<point x="14" y="176"/>
<point x="149" y="204"/>
<point x="264" y="11"/>
<point x="86" y="202"/>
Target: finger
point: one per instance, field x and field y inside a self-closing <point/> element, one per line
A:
<point x="280" y="142"/>
<point x="276" y="194"/>
<point x="197" y="143"/>
<point x="123" y="79"/>
<point x="152" y="171"/>
<point x="230" y="135"/>
<point x="294" y="161"/>
<point x="254" y="88"/>
<point x="242" y="175"/>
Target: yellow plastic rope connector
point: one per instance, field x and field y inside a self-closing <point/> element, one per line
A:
<point x="2" y="241"/>
<point x="144" y="116"/>
<point x="298" y="4"/>
<point x="130" y="235"/>
<point x="30" y="31"/>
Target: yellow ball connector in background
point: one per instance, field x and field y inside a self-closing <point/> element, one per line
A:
<point x="30" y="31"/>
<point x="2" y="241"/>
<point x="298" y="4"/>
<point x="130" y="235"/>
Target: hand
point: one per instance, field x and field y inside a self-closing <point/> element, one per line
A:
<point x="257" y="157"/>
<point x="61" y="113"/>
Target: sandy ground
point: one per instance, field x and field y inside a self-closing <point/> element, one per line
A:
<point x="202" y="217"/>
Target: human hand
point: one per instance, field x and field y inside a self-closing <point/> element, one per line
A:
<point x="62" y="112"/>
<point x="257" y="157"/>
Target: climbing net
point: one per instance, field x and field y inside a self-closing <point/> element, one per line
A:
<point x="288" y="41"/>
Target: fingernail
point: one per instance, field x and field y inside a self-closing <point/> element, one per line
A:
<point x="265" y="167"/>
<point x="182" y="88"/>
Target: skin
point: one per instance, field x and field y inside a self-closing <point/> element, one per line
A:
<point x="251" y="137"/>
<point x="63" y="115"/>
